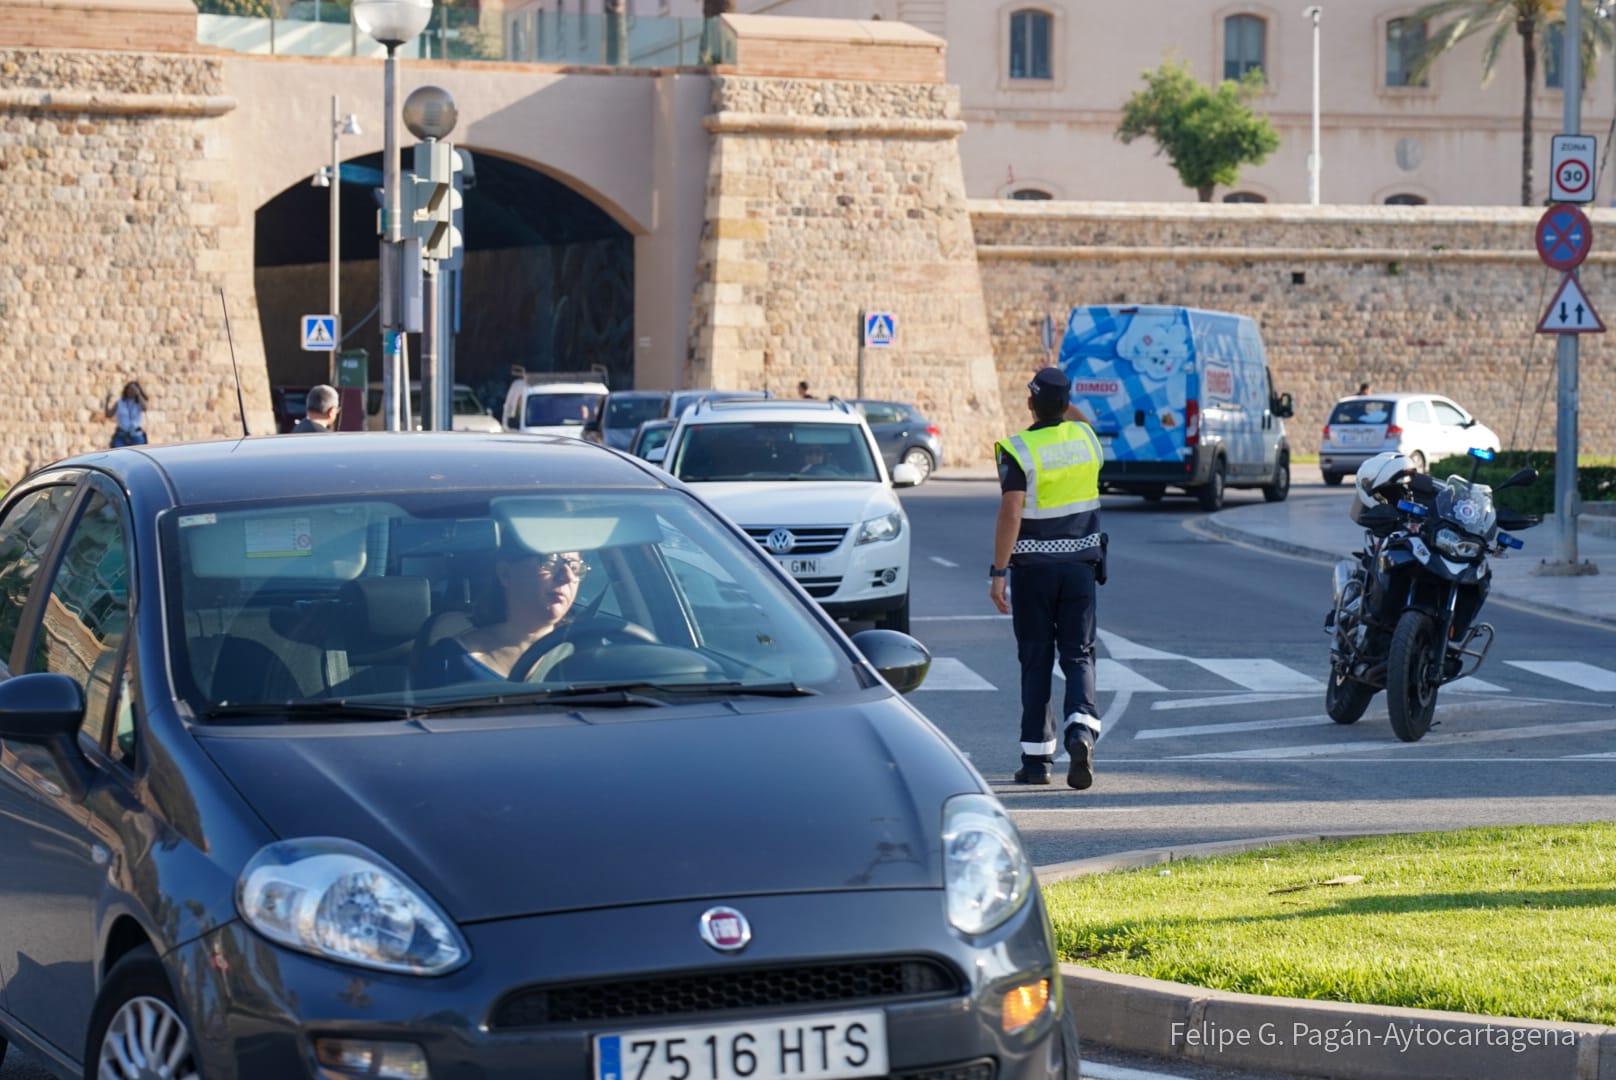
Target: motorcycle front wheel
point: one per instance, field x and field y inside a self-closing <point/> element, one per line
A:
<point x="1345" y="699"/>
<point x="1411" y="681"/>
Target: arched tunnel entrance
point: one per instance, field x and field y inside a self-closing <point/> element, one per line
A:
<point x="547" y="278"/>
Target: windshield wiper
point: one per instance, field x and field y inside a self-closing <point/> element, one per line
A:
<point x="339" y="709"/>
<point x="623" y="695"/>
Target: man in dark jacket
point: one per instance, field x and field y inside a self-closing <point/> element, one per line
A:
<point x="322" y="408"/>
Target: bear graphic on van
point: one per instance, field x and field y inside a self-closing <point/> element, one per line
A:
<point x="1155" y="346"/>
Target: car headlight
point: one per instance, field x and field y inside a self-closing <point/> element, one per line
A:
<point x="885" y="527"/>
<point x="985" y="869"/>
<point x="1451" y="543"/>
<point x="341" y="901"/>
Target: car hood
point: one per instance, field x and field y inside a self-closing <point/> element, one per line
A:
<point x="799" y="502"/>
<point x="498" y="817"/>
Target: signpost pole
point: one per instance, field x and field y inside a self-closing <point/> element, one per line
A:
<point x="1565" y="443"/>
<point x="864" y="333"/>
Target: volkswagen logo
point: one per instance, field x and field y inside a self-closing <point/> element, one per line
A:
<point x="725" y="929"/>
<point x="781" y="541"/>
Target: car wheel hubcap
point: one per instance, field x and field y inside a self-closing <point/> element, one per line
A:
<point x="146" y="1041"/>
<point x="920" y="461"/>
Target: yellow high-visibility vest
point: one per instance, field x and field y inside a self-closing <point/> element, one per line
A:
<point x="1062" y="464"/>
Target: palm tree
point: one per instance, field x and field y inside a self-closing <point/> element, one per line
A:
<point x="1529" y="19"/>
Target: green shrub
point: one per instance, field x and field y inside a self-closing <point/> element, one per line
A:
<point x="1595" y="483"/>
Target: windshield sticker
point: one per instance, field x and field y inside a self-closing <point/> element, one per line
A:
<point x="277" y="538"/>
<point x="198" y="519"/>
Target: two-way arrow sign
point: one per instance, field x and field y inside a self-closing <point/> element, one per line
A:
<point x="1570" y="312"/>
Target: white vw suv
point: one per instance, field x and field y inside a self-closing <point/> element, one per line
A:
<point x="805" y="480"/>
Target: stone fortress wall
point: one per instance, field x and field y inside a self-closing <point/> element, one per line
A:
<point x="122" y="227"/>
<point x="1441" y="299"/>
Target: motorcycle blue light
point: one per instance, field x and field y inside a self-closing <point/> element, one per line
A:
<point x="1481" y="452"/>
<point x="1410" y="507"/>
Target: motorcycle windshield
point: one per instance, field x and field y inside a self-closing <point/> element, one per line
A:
<point x="1467" y="505"/>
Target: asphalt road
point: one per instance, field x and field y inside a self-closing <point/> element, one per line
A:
<point x="1211" y="674"/>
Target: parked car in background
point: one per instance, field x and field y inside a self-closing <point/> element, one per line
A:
<point x="903" y="434"/>
<point x="806" y="481"/>
<point x="244" y="837"/>
<point x="651" y="439"/>
<point x="467" y="413"/>
<point x="1422" y="427"/>
<point x="622" y="414"/>
<point x="554" y="402"/>
<point x="290" y="404"/>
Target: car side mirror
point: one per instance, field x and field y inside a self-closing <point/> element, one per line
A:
<point x="899" y="658"/>
<point x="656" y="455"/>
<point x="40" y="707"/>
<point x="1282" y="406"/>
<point x="905" y="475"/>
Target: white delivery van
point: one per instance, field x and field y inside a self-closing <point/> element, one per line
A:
<point x="1180" y="399"/>
<point x="554" y="402"/>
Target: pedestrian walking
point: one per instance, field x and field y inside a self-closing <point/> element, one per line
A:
<point x="321" y="406"/>
<point x="129" y="412"/>
<point x="1048" y="548"/>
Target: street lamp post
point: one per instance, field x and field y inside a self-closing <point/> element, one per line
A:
<point x="1314" y="11"/>
<point x="331" y="177"/>
<point x="392" y="23"/>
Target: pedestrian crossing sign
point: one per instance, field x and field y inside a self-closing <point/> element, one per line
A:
<point x="320" y="333"/>
<point x="880" y="327"/>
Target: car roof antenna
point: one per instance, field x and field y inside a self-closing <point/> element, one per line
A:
<point x="241" y="402"/>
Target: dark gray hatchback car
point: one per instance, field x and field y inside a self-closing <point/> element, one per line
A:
<point x="452" y="756"/>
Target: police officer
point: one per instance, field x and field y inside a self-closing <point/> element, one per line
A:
<point x="1047" y="544"/>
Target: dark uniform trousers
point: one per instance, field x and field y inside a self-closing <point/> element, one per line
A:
<point x="1052" y="611"/>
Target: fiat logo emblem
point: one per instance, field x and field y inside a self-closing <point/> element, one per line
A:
<point x="781" y="541"/>
<point x="725" y="929"/>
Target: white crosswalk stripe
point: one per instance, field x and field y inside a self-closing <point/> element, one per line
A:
<point x="1111" y="675"/>
<point x="947" y="673"/>
<point x="1574" y="672"/>
<point x="1261" y="674"/>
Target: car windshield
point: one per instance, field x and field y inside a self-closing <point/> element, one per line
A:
<point x="1361" y="412"/>
<point x="407" y="603"/>
<point x="653" y="437"/>
<point x="770" y="450"/>
<point x="466" y="403"/>
<point x="555" y="410"/>
<point x="634" y="411"/>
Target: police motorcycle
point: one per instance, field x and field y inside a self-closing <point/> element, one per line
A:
<point x="1404" y="619"/>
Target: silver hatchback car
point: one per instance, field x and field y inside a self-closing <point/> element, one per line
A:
<point x="1422" y="427"/>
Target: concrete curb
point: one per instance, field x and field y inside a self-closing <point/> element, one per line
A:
<point x="1298" y="1037"/>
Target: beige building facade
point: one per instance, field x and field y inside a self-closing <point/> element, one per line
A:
<point x="1042" y="84"/>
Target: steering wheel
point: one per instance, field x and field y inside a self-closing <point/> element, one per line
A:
<point x="536" y="663"/>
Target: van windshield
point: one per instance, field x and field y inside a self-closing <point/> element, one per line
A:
<point x="557" y="410"/>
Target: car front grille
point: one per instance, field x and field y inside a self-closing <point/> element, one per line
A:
<point x="820" y="587"/>
<point x="870" y="981"/>
<point x="810" y="540"/>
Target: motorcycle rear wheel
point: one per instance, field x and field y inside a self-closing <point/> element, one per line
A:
<point x="1410" y="687"/>
<point x="1345" y="699"/>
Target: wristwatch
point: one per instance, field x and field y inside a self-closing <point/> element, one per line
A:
<point x="992" y="573"/>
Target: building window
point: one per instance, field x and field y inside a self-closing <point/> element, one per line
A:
<point x="1552" y="50"/>
<point x="1030" y="193"/>
<point x="1244" y="196"/>
<point x="1245" y="41"/>
<point x="1029" y="45"/>
<point x="1405" y="40"/>
<point x="1405" y="200"/>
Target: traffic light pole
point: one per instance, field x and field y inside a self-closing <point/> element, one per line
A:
<point x="392" y="243"/>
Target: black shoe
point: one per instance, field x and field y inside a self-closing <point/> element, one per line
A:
<point x="1033" y="772"/>
<point x="1080" y="773"/>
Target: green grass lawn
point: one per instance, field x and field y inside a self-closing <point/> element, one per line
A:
<point x="1506" y="922"/>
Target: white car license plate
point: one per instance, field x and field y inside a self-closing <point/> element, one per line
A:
<point x="1361" y="438"/>
<point x="821" y="1047"/>
<point x="801" y="567"/>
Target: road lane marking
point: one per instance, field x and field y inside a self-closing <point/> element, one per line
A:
<point x="1120" y="648"/>
<point x="1227" y="698"/>
<point x="1475" y="685"/>
<point x="1574" y="672"/>
<point x="1110" y="675"/>
<point x="1224" y="729"/>
<point x="940" y="561"/>
<point x="1260" y="674"/>
<point x="947" y="673"/>
<point x="959" y="618"/>
<point x="1454" y="739"/>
